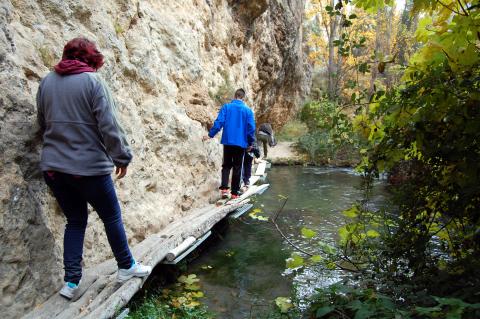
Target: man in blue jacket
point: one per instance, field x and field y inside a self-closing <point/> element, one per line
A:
<point x="238" y="124"/>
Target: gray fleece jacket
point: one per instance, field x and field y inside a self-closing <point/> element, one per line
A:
<point x="81" y="135"/>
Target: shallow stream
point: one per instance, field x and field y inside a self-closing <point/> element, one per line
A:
<point x="243" y="273"/>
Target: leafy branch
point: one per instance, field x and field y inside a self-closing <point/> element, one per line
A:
<point x="299" y="249"/>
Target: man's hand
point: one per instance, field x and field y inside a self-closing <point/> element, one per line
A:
<point x="205" y="137"/>
<point x="249" y="148"/>
<point x="120" y="172"/>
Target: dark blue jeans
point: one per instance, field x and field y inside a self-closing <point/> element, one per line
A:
<point x="72" y="194"/>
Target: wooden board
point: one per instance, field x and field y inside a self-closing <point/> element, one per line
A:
<point x="191" y="248"/>
<point x="252" y="190"/>
<point x="262" y="166"/>
<point x="101" y="296"/>
<point x="222" y="201"/>
<point x="240" y="211"/>
<point x="254" y="179"/>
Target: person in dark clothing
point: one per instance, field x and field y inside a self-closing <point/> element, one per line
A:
<point x="247" y="164"/>
<point x="238" y="124"/>
<point x="82" y="143"/>
<point x="266" y="137"/>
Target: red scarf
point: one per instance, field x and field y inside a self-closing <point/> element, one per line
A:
<point x="66" y="67"/>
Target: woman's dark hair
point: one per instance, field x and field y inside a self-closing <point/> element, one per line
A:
<point x="84" y="50"/>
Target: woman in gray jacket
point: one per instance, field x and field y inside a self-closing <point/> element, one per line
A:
<point x="82" y="142"/>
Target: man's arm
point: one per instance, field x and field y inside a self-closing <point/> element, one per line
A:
<point x="219" y="122"/>
<point x="250" y="128"/>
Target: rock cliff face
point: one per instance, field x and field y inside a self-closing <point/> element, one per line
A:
<point x="169" y="64"/>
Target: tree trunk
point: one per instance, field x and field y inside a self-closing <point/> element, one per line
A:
<point x="377" y="52"/>
<point x="331" y="53"/>
<point x="408" y="25"/>
<point x="387" y="45"/>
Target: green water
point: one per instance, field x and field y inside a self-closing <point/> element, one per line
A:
<point x="248" y="263"/>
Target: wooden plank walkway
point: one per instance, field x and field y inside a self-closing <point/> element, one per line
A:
<point x="100" y="296"/>
<point x="259" y="172"/>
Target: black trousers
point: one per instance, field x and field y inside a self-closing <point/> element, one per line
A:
<point x="247" y="168"/>
<point x="232" y="159"/>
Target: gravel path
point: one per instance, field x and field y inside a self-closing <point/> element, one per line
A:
<point x="284" y="153"/>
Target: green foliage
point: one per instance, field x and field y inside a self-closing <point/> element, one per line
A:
<point x="295" y="261"/>
<point x="256" y="214"/>
<point x="330" y="132"/>
<point x="450" y="308"/>
<point x="47" y="56"/>
<point x="291" y="131"/>
<point x="308" y="233"/>
<point x="425" y="135"/>
<point x="224" y="92"/>
<point x="371" y="5"/>
<point x="367" y="247"/>
<point x="316" y="259"/>
<point x="119" y="30"/>
<point x="362" y="225"/>
<point x="433" y="124"/>
<point x="325" y="115"/>
<point x="156" y="307"/>
<point x="281" y="308"/>
<point x="340" y="301"/>
<point x="189" y="282"/>
<point x="315" y="144"/>
<point x="182" y="302"/>
<point x="284" y="304"/>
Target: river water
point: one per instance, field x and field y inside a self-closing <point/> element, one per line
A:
<point x="242" y="273"/>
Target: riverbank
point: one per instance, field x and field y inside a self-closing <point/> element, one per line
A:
<point x="286" y="153"/>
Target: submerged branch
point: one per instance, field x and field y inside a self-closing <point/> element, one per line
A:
<point x="280" y="210"/>
<point x="274" y="222"/>
<point x="290" y="242"/>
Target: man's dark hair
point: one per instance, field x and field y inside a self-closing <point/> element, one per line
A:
<point x="240" y="94"/>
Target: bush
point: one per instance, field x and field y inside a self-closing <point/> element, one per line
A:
<point x="315" y="145"/>
<point x="339" y="301"/>
<point x="292" y="131"/>
<point x="330" y="135"/>
<point x="432" y="123"/>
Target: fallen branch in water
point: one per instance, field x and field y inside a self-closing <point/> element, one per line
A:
<point x="274" y="222"/>
<point x="280" y="210"/>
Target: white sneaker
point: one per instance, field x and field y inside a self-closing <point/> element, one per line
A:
<point x="69" y="289"/>
<point x="137" y="270"/>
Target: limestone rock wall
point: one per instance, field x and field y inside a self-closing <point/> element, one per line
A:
<point x="170" y="64"/>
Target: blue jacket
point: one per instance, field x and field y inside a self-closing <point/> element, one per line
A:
<point x="238" y="124"/>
